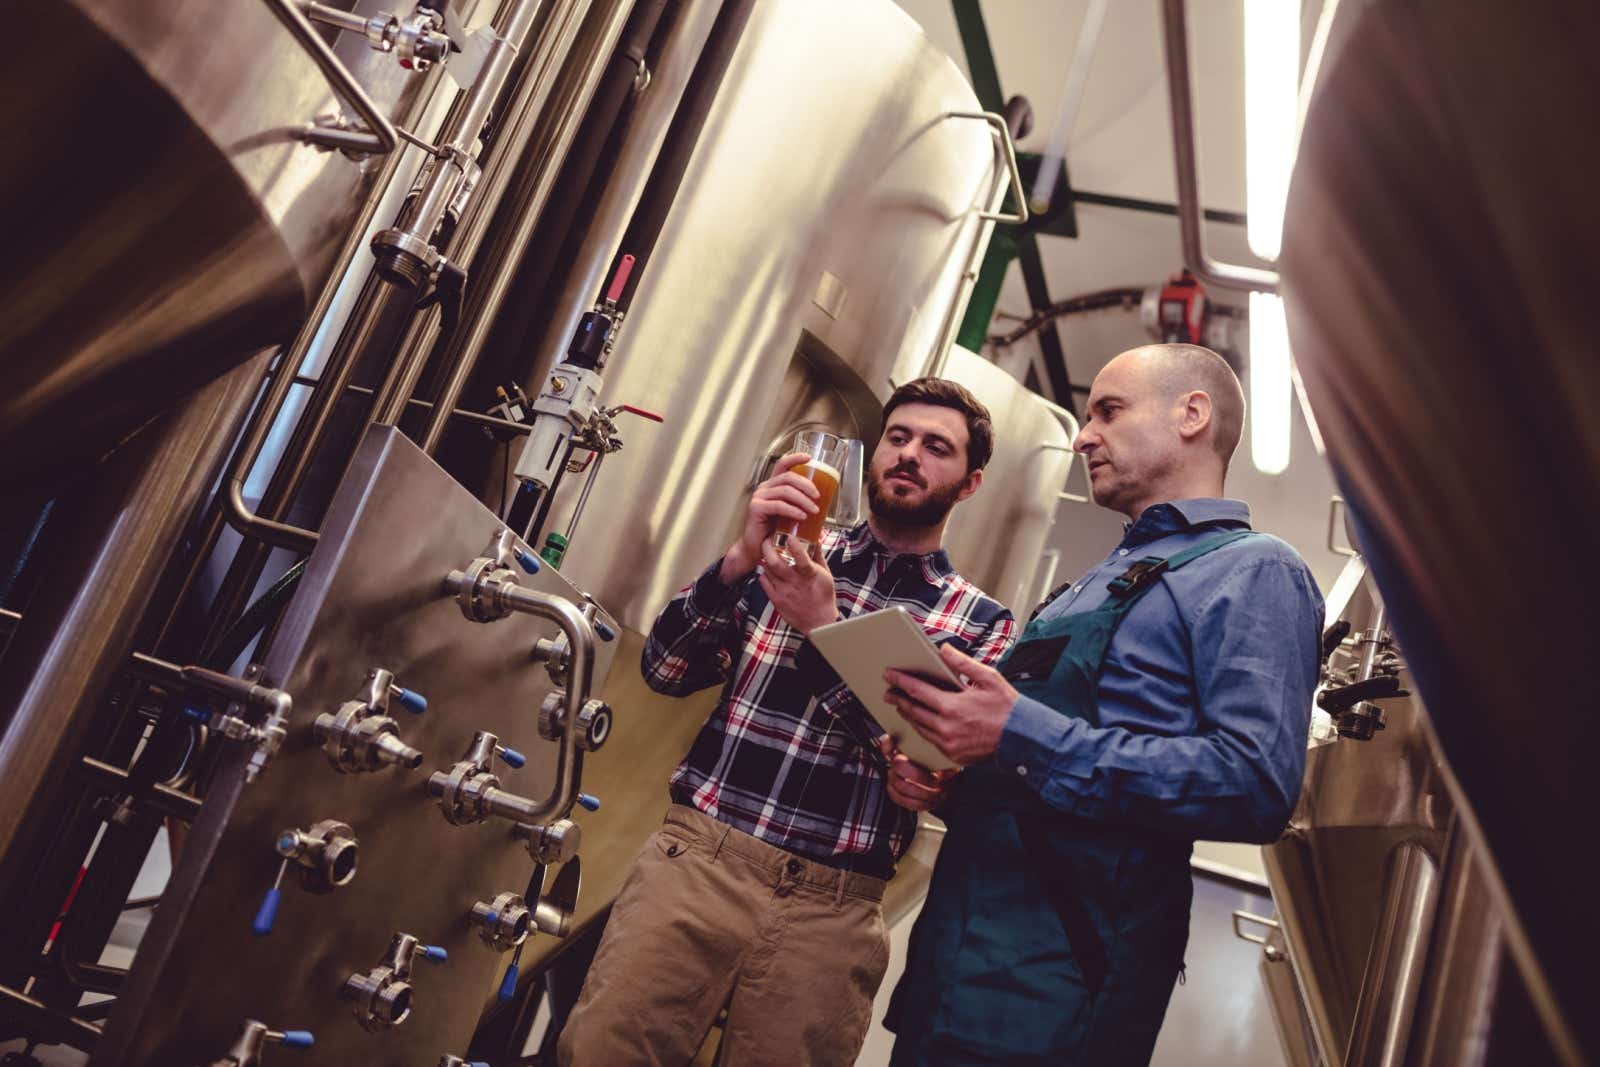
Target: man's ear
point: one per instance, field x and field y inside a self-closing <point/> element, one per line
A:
<point x="1194" y="414"/>
<point x="970" y="486"/>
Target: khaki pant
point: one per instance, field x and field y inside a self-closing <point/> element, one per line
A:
<point x="707" y="911"/>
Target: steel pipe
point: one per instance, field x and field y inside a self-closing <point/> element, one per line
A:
<point x="1395" y="966"/>
<point x="1202" y="266"/>
<point x="554" y="117"/>
<point x="503" y="596"/>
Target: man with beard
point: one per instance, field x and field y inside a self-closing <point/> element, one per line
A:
<point x="765" y="881"/>
<point x="1162" y="698"/>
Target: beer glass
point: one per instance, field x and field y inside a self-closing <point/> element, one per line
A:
<point x="827" y="454"/>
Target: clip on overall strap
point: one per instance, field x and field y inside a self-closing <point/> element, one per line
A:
<point x="1144" y="573"/>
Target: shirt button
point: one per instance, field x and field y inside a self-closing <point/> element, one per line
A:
<point x="1022" y="770"/>
<point x="1122" y="552"/>
<point x="1076" y="588"/>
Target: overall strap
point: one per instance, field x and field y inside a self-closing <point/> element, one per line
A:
<point x="1143" y="574"/>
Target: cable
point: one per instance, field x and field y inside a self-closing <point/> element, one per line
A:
<point x="1127" y="299"/>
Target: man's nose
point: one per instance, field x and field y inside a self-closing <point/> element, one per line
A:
<point x="1086" y="441"/>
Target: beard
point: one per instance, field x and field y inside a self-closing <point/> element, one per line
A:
<point x="929" y="511"/>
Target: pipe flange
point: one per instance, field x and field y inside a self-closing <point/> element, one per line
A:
<point x="504" y="922"/>
<point x="594" y="725"/>
<point x="551" y="714"/>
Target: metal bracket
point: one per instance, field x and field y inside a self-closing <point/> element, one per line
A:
<point x="1271" y="951"/>
<point x="380" y="137"/>
<point x="1335" y="505"/>
<point x="1002" y="135"/>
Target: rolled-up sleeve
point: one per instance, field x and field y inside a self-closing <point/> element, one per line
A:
<point x="1235" y="778"/>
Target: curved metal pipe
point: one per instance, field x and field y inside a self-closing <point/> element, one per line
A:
<point x="503" y="596"/>
<point x="1202" y="266"/>
<point x="380" y="138"/>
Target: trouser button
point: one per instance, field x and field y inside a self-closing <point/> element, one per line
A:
<point x="793" y="867"/>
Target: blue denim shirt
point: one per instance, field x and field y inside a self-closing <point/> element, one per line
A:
<point x="1205" y="696"/>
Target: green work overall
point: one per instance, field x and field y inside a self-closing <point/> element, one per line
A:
<point x="1047" y="938"/>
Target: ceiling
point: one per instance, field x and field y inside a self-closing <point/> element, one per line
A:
<point x="1122" y="145"/>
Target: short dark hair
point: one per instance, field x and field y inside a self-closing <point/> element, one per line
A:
<point x="944" y="393"/>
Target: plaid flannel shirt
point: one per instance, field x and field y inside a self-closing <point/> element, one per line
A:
<point x="790" y="755"/>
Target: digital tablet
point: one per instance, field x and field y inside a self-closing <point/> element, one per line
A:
<point x="863" y="647"/>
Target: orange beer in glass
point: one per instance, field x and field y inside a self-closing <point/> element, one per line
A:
<point x="827" y="453"/>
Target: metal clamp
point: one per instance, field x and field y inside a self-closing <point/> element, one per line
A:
<point x="1202" y="266"/>
<point x="470" y="791"/>
<point x="1002" y="135"/>
<point x="504" y="922"/>
<point x="1271" y="951"/>
<point x="326" y="853"/>
<point x="379" y="137"/>
<point x="246" y="1051"/>
<point x="383" y="996"/>
<point x="362" y="736"/>
<point x="553" y="843"/>
<point x="241" y="693"/>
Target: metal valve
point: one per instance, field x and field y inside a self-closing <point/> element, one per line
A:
<point x="554" y="654"/>
<point x="448" y="1060"/>
<point x="480" y="588"/>
<point x="246" y="1051"/>
<point x="504" y="922"/>
<point x="418" y="41"/>
<point x="363" y="736"/>
<point x="594" y="722"/>
<point x="470" y="791"/>
<point x="382" y="997"/>
<point x="326" y="855"/>
<point x="551" y="843"/>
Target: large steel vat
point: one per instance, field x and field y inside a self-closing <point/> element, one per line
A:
<point x="1437" y="273"/>
<point x="165" y="218"/>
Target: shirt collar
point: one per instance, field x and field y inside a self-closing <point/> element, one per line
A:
<point x="1175" y="516"/>
<point x="859" y="540"/>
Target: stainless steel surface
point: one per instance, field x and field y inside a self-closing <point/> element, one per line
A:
<point x="566" y="96"/>
<point x="78" y="631"/>
<point x="1174" y="20"/>
<point x="379" y="136"/>
<point x="203" y="240"/>
<point x="368" y="597"/>
<point x="998" y="537"/>
<point x="1359" y="802"/>
<point x="1288" y="1008"/>
<point x="1466" y="968"/>
<point x="1430" y="278"/>
<point x="1393" y="977"/>
<point x="1008" y="151"/>
<point x="724" y="314"/>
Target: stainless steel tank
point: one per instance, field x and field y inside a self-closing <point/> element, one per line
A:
<point x="1438" y="279"/>
<point x="166" y="218"/>
<point x="811" y="262"/>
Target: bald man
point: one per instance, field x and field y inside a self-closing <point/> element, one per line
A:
<point x="1162" y="698"/>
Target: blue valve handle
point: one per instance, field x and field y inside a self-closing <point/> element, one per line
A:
<point x="411" y="700"/>
<point x="299" y="1038"/>
<point x="512" y="757"/>
<point x="529" y="561"/>
<point x="199" y="715"/>
<point x="602" y="628"/>
<point x="588" y="802"/>
<point x="508" y="984"/>
<point x="435" y="953"/>
<point x="267" y="913"/>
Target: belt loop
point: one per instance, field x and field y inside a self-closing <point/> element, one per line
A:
<point x="838" y="896"/>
